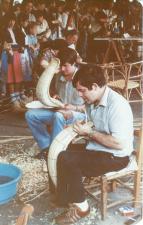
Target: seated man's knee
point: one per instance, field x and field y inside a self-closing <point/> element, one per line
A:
<point x="66" y="159"/>
<point x="30" y="115"/>
<point x="58" y="116"/>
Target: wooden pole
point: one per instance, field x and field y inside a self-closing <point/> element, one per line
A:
<point x="25" y="214"/>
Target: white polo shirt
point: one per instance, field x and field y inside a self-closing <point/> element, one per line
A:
<point x="113" y="115"/>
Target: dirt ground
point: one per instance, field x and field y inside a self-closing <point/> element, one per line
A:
<point x="11" y="126"/>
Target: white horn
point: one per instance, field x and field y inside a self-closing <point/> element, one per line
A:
<point x="59" y="144"/>
<point x="43" y="86"/>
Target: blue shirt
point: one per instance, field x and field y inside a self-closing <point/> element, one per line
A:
<point x="113" y="116"/>
<point x="32" y="40"/>
<point x="66" y="91"/>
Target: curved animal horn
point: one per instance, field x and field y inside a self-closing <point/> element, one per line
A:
<point x="42" y="89"/>
<point x="59" y="144"/>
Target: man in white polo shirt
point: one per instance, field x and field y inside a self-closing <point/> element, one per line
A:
<point x="110" y="142"/>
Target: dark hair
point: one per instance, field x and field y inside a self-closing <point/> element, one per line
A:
<point x="16" y="5"/>
<point x="4" y="1"/>
<point x="38" y="14"/>
<point x="41" y="2"/>
<point x="71" y="32"/>
<point x="67" y="55"/>
<point x="25" y="2"/>
<point x="11" y="16"/>
<point x="87" y="75"/>
<point x="59" y="44"/>
<point x="23" y="17"/>
<point x="8" y="18"/>
<point x="60" y="3"/>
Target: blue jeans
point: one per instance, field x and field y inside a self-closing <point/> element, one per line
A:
<point x="38" y="119"/>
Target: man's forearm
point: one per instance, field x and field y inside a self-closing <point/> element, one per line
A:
<point x="77" y="108"/>
<point x="80" y="108"/>
<point x="105" y="139"/>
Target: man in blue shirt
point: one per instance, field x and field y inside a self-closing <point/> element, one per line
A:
<point x="38" y="119"/>
<point x="110" y="142"/>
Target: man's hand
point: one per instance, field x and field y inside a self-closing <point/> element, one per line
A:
<point x="56" y="97"/>
<point x="70" y="107"/>
<point x="67" y="114"/>
<point x="82" y="129"/>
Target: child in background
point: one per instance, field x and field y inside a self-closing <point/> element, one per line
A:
<point x="32" y="40"/>
<point x="71" y="37"/>
<point x="43" y="31"/>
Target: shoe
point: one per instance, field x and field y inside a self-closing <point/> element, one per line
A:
<point x="26" y="100"/>
<point x="71" y="216"/>
<point x="17" y="107"/>
<point x="42" y="155"/>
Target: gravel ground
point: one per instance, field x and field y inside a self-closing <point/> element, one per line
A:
<point x="15" y="152"/>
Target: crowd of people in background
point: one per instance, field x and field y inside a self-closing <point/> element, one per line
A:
<point x="35" y="31"/>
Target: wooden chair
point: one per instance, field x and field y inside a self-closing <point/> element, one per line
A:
<point x="131" y="80"/>
<point x="102" y="183"/>
<point x="113" y="71"/>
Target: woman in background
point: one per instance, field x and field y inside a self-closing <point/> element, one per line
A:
<point x="13" y="56"/>
<point x="21" y="34"/>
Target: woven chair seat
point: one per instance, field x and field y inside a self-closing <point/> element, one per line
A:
<point x="120" y="84"/>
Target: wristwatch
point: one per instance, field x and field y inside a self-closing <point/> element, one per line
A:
<point x="91" y="134"/>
